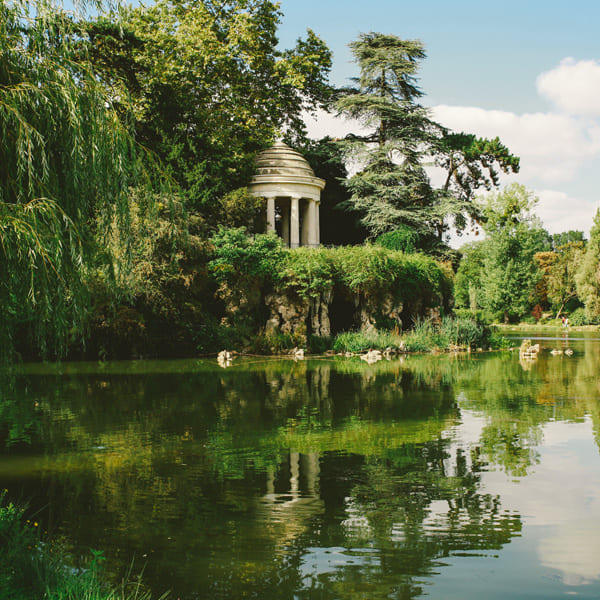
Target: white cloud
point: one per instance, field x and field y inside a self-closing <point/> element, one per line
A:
<point x="323" y="124"/>
<point x="552" y="147"/>
<point x="562" y="212"/>
<point x="573" y="86"/>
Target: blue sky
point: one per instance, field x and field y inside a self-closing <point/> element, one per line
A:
<point x="526" y="71"/>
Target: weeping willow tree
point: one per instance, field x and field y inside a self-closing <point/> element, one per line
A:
<point x="67" y="160"/>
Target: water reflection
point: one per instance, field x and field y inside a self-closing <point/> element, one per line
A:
<point x="329" y="479"/>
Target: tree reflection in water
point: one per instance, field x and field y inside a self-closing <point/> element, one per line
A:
<point x="275" y="479"/>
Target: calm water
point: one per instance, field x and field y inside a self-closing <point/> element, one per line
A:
<point x="441" y="477"/>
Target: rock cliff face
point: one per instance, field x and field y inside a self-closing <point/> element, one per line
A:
<point x="301" y="316"/>
<point x="286" y="314"/>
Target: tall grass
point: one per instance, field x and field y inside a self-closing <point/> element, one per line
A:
<point x="361" y="341"/>
<point x="426" y="336"/>
<point x="34" y="569"/>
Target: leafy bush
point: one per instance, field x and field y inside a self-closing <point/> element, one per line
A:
<point x="238" y="256"/>
<point x="426" y="336"/>
<point x="405" y="239"/>
<point x="581" y="317"/>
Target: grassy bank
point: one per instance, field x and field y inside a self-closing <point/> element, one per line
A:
<point x="32" y="568"/>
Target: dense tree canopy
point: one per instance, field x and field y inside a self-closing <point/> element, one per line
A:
<point x="209" y="86"/>
<point x="588" y="274"/>
<point x="499" y="274"/>
<point x="66" y="161"/>
<point x="559" y="268"/>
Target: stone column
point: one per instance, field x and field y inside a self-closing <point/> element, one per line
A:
<point x="313" y="224"/>
<point x="305" y="223"/>
<point x="317" y="223"/>
<point x="270" y="214"/>
<point x="285" y="223"/>
<point x="294" y="223"/>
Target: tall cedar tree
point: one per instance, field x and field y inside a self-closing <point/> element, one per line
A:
<point x="392" y="188"/>
<point x="392" y="191"/>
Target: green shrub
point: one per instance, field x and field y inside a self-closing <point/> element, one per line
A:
<point x="426" y="336"/>
<point x="404" y="239"/>
<point x="581" y="317"/>
<point x="463" y="332"/>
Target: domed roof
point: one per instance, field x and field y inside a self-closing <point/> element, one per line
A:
<point x="281" y="160"/>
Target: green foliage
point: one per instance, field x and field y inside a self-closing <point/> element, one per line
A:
<point x="338" y="224"/>
<point x="587" y="278"/>
<point x="467" y="283"/>
<point x="567" y="237"/>
<point x="392" y="188"/>
<point x="246" y="269"/>
<point x="362" y="341"/>
<point x="451" y="332"/>
<point x="240" y="208"/>
<point x="163" y="300"/>
<point x="470" y="163"/>
<point x="465" y="332"/>
<point x="209" y="86"/>
<point x="499" y="274"/>
<point x="409" y="240"/>
<point x="311" y="272"/>
<point x="371" y="271"/>
<point x="276" y="343"/>
<point x="237" y="256"/>
<point x="403" y="238"/>
<point x="425" y="336"/>
<point x="580" y="317"/>
<point x="67" y="158"/>
<point x="33" y="568"/>
<point x="559" y="269"/>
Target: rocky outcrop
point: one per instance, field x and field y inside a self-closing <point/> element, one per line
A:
<point x="320" y="323"/>
<point x="240" y="302"/>
<point x="371" y="310"/>
<point x="300" y="316"/>
<point x="286" y="315"/>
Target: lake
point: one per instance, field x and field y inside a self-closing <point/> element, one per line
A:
<point x="452" y="477"/>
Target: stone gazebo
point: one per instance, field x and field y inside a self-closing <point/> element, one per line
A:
<point x="286" y="181"/>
